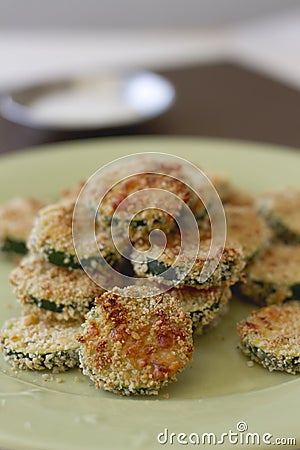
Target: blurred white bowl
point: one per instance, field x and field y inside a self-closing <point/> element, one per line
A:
<point x="105" y="101"/>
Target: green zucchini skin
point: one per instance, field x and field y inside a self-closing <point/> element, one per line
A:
<point x="61" y="259"/>
<point x="270" y="336"/>
<point x="13" y="246"/>
<point x="52" y="306"/>
<point x="273" y="277"/>
<point x="63" y="359"/>
<point x="282" y="231"/>
<point x="157" y="268"/>
<point x="46" y="304"/>
<point x="296" y="291"/>
<point x="28" y="342"/>
<point x="134" y="223"/>
<point x="280" y="210"/>
<point x="197" y="316"/>
<point x="289" y="364"/>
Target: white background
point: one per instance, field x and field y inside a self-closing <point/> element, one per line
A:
<point x="41" y="40"/>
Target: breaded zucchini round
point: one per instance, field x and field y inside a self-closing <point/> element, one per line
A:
<point x="30" y="343"/>
<point x="246" y="228"/>
<point x="148" y="218"/>
<point x="55" y="292"/>
<point x="281" y="210"/>
<point x="16" y="221"/>
<point x="274" y="275"/>
<point x="227" y="272"/>
<point x="52" y="235"/>
<point x="52" y="238"/>
<point x="270" y="336"/>
<point x="135" y="345"/>
<point x="203" y="305"/>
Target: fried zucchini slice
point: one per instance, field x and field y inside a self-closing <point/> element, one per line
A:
<point x="133" y="345"/>
<point x="281" y="210"/>
<point x="55" y="292"/>
<point x="52" y="238"/>
<point x="228" y="271"/>
<point x="30" y="343"/>
<point x="203" y="306"/>
<point x="174" y="180"/>
<point x="246" y="228"/>
<point x="150" y="218"/>
<point x="270" y="337"/>
<point x="273" y="276"/>
<point x="16" y="221"/>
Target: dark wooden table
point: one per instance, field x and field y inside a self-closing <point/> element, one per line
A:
<point x="220" y="100"/>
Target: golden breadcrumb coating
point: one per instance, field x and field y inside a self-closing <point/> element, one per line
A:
<point x="228" y="271"/>
<point x="270" y="336"/>
<point x="247" y="229"/>
<point x="274" y="275"/>
<point x="30" y="343"/>
<point x="52" y="236"/>
<point x="203" y="305"/>
<point x="53" y="229"/>
<point x="135" y="345"/>
<point x="281" y="209"/>
<point x="58" y="292"/>
<point x="17" y="217"/>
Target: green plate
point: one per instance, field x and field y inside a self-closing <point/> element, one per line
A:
<point x="213" y="394"/>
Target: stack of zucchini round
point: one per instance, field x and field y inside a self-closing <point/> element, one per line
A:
<point x="270" y="335"/>
<point x="54" y="293"/>
<point x="134" y="340"/>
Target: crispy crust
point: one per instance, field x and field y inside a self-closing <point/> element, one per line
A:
<point x="154" y="218"/>
<point x="53" y="229"/>
<point x="202" y="305"/>
<point x="140" y="182"/>
<point x="227" y="273"/>
<point x="16" y="219"/>
<point x="270" y="336"/>
<point x="135" y="346"/>
<point x="223" y="187"/>
<point x="203" y="329"/>
<point x="148" y="219"/>
<point x="52" y="236"/>
<point x="69" y="293"/>
<point x="30" y="343"/>
<point x="281" y="210"/>
<point x="247" y="229"/>
<point x="274" y="275"/>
